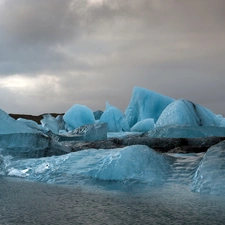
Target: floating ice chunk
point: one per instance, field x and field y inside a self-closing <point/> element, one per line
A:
<point x="143" y="125"/>
<point x="51" y="123"/>
<point x="134" y="162"/>
<point x="186" y="113"/>
<point x="137" y="162"/>
<point x="115" y="119"/>
<point x="9" y="125"/>
<point x="30" y="123"/>
<point x="209" y="177"/>
<point x="186" y="132"/>
<point x="79" y="115"/>
<point x="145" y="104"/>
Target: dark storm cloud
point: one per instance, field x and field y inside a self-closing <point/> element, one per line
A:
<point x="99" y="51"/>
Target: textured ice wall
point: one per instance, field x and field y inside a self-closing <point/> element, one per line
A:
<point x="9" y="125"/>
<point x="210" y="175"/>
<point x="137" y="162"/>
<point x="115" y="119"/>
<point x="145" y="104"/>
<point x="186" y="113"/>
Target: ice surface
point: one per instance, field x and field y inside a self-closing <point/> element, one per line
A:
<point x="143" y="125"/>
<point x="209" y="177"/>
<point x="32" y="124"/>
<point x="134" y="162"/>
<point x="115" y="119"/>
<point x="98" y="114"/>
<point x="51" y="123"/>
<point x="9" y="125"/>
<point x="131" y="163"/>
<point x="183" y="112"/>
<point x="79" y="115"/>
<point x="187" y="132"/>
<point x="145" y="104"/>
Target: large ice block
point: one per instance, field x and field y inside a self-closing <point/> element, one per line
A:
<point x="209" y="177"/>
<point x="145" y="104"/>
<point x="186" y="113"/>
<point x="115" y="119"/>
<point x="79" y="115"/>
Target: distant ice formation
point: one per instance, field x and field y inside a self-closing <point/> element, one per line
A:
<point x="186" y="113"/>
<point x="143" y="126"/>
<point x="8" y="125"/>
<point x="115" y="119"/>
<point x="79" y="115"/>
<point x="145" y="104"/>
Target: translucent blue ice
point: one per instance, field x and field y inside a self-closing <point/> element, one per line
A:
<point x="79" y="115"/>
<point x="143" y="125"/>
<point x="145" y="104"/>
<point x="9" y="125"/>
<point x="209" y="177"/>
<point x="186" y="113"/>
<point x="131" y="163"/>
<point x="51" y="123"/>
<point x="115" y="119"/>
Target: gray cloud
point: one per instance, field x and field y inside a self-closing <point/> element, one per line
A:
<point x="94" y="52"/>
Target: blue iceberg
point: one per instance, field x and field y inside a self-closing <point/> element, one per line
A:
<point x="209" y="177"/>
<point x="145" y="104"/>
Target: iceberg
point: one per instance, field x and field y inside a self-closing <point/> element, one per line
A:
<point x="115" y="119"/>
<point x="186" y="113"/>
<point x="143" y="125"/>
<point x="79" y="115"/>
<point x="31" y="124"/>
<point x="10" y="125"/>
<point x="145" y="104"/>
<point x="51" y="123"/>
<point x="209" y="177"/>
<point x="137" y="162"/>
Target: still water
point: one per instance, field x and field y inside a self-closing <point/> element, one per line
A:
<point x="28" y="202"/>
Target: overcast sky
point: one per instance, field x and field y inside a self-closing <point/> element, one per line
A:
<point x="57" y="53"/>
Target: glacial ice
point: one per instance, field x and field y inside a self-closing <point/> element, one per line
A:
<point x="145" y="104"/>
<point x="131" y="163"/>
<point x="51" y="123"/>
<point x="187" y="132"/>
<point x="79" y="115"/>
<point x="90" y="132"/>
<point x="98" y="114"/>
<point x="134" y="162"/>
<point x="115" y="119"/>
<point x="143" y="125"/>
<point x="9" y="125"/>
<point x="24" y="144"/>
<point x="209" y="177"/>
<point x="32" y="124"/>
<point x="185" y="113"/>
